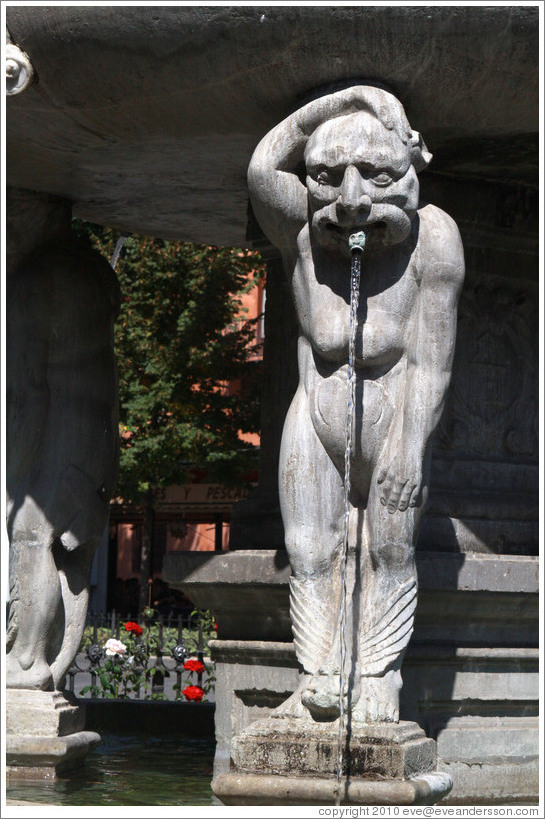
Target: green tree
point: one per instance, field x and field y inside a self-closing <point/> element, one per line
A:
<point x="181" y="341"/>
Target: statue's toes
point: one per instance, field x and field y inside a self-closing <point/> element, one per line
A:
<point x="321" y="697"/>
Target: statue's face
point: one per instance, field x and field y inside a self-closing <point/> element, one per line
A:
<point x="359" y="177"/>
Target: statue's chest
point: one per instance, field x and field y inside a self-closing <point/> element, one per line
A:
<point x="387" y="307"/>
<point x="387" y="313"/>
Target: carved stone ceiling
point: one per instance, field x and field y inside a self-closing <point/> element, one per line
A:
<point x="146" y="116"/>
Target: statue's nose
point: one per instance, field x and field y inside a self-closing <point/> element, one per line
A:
<point x="353" y="200"/>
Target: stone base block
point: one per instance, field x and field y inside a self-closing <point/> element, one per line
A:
<point x="253" y="789"/>
<point x="44" y="733"/>
<point x="275" y="746"/>
<point x="39" y="757"/>
<point x="42" y="713"/>
<point x="294" y="762"/>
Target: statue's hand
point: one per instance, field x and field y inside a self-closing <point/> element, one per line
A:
<point x="401" y="480"/>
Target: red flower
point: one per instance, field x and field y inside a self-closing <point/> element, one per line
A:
<point x="193" y="693"/>
<point x="130" y="626"/>
<point x="194" y="665"/>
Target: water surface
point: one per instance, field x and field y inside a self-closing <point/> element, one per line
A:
<point x="131" y="770"/>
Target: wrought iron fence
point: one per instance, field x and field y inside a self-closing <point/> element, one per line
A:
<point x="160" y="657"/>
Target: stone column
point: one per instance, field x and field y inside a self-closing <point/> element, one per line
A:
<point x="62" y="451"/>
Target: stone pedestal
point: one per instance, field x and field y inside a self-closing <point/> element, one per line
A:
<point x="44" y="734"/>
<point x="295" y="762"/>
<point x="470" y="674"/>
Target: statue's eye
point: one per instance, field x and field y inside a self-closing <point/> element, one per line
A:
<point x="382" y="178"/>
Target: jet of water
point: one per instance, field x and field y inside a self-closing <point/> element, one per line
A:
<point x="356" y="244"/>
<point x="115" y="255"/>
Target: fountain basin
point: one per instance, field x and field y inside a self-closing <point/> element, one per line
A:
<point x="254" y="789"/>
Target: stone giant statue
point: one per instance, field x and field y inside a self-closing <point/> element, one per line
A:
<point x="62" y="451"/>
<point x="348" y="162"/>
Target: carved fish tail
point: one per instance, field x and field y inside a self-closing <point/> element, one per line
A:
<point x="313" y="621"/>
<point x="13" y="623"/>
<point x="14" y="595"/>
<point x="391" y="631"/>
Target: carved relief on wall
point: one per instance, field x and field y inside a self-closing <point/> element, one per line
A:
<point x="492" y="407"/>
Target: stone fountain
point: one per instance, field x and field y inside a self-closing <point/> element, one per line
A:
<point x="146" y="119"/>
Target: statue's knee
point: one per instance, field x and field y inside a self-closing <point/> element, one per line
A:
<point x="390" y="555"/>
<point x="310" y="555"/>
<point x="28" y="525"/>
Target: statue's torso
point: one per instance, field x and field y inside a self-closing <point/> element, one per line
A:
<point x="387" y="314"/>
<point x="389" y="290"/>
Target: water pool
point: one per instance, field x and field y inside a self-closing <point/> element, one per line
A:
<point x="131" y="770"/>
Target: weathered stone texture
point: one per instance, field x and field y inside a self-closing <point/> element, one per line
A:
<point x="148" y="117"/>
<point x="471" y="671"/>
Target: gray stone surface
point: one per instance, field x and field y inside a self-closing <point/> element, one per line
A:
<point x="259" y="578"/>
<point x="459" y="599"/>
<point x="252" y="679"/>
<point x="45" y="734"/>
<point x="306" y="748"/>
<point x="41" y="713"/>
<point x="484" y="473"/>
<point x="471" y="670"/>
<point x="127" y="107"/>
<point x="148" y="116"/>
<point x="62" y="436"/>
<point x="253" y="789"/>
<point x="493" y="782"/>
<point x="345" y="165"/>
<point x="38" y="757"/>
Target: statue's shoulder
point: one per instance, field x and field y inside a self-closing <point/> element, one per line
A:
<point x="433" y="219"/>
<point x="69" y="272"/>
<point x="439" y="241"/>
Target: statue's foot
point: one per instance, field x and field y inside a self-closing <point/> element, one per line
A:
<point x="22" y="674"/>
<point x="322" y="696"/>
<point x="379" y="700"/>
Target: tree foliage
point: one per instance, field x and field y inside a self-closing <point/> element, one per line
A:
<point x="181" y="340"/>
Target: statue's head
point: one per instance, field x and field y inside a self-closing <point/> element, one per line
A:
<point x="362" y="170"/>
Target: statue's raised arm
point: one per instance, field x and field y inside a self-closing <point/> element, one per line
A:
<point x="278" y="171"/>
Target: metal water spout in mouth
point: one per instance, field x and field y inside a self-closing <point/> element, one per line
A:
<point x="356" y="243"/>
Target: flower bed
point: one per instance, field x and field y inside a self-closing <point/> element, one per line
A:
<point x="131" y="660"/>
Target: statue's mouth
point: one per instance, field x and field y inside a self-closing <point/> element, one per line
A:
<point x="347" y="230"/>
<point x="374" y="231"/>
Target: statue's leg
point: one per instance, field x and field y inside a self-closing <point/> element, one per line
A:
<point x="74" y="570"/>
<point x="35" y="596"/>
<point x="311" y="496"/>
<point x="388" y="602"/>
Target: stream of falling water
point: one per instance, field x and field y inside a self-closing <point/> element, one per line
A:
<point x="118" y="248"/>
<point x="357" y="245"/>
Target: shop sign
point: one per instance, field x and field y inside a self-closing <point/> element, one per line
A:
<point x="198" y="494"/>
